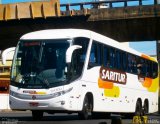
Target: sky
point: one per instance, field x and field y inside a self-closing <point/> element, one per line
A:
<point x="147" y="47"/>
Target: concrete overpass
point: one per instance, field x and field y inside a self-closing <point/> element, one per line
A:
<point x="136" y="23"/>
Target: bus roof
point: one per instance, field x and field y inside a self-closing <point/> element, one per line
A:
<point x="56" y="34"/>
<point x="71" y="33"/>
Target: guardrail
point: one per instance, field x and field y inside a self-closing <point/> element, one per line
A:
<point x="52" y="8"/>
<point x="97" y="4"/>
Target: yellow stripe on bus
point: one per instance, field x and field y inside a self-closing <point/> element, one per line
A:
<point x="115" y="92"/>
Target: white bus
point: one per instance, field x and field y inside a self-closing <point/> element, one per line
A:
<point x="76" y="70"/>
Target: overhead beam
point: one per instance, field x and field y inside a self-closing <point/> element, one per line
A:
<point x="136" y="23"/>
<point x="29" y="10"/>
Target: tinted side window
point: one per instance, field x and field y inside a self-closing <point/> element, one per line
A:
<point x="148" y="68"/>
<point x="129" y="63"/>
<point x="143" y="67"/>
<point x="118" y="59"/>
<point x="82" y="42"/>
<point x="112" y="57"/>
<point x="95" y="55"/>
<point x="154" y="70"/>
<point x="124" y="61"/>
<point x="106" y="57"/>
<point x="132" y="64"/>
<point x="79" y="56"/>
<point x="99" y="53"/>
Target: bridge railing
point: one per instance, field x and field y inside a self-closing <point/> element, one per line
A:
<point x="52" y="8"/>
<point x="69" y="8"/>
<point x="99" y="4"/>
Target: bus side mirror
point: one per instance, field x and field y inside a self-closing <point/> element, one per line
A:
<point x="70" y="51"/>
<point x="7" y="54"/>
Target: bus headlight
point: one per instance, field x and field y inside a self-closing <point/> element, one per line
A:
<point x="12" y="93"/>
<point x="61" y="92"/>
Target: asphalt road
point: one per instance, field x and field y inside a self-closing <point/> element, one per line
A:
<point x="26" y="117"/>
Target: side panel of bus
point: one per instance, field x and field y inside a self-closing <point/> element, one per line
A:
<point x="113" y="89"/>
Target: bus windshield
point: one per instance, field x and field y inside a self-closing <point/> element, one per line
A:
<point x="40" y="64"/>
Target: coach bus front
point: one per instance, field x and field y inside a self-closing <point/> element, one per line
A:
<point x="42" y="73"/>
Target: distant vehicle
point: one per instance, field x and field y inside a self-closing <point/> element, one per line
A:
<point x="103" y="5"/>
<point x="5" y="65"/>
<point x="76" y="70"/>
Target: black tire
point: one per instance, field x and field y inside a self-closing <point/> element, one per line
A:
<point x="86" y="110"/>
<point x="145" y="108"/>
<point x="138" y="111"/>
<point x="37" y="115"/>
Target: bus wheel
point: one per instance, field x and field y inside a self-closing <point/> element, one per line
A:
<point x="37" y="115"/>
<point x="138" y="111"/>
<point x="87" y="108"/>
<point x="145" y="108"/>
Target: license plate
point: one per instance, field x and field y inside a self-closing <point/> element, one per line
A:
<point x="33" y="104"/>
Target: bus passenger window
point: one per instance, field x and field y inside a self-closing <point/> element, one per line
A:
<point x="79" y="56"/>
<point x="154" y="70"/>
<point x="84" y="43"/>
<point x="112" y="57"/>
<point x="124" y="62"/>
<point x="140" y="67"/>
<point x="143" y="67"/>
<point x="148" y="68"/>
<point x="118" y="59"/>
<point x="92" y="58"/>
<point x="106" y="56"/>
<point x="95" y="55"/>
<point x="99" y="53"/>
<point x="134" y="68"/>
<point x="129" y="63"/>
